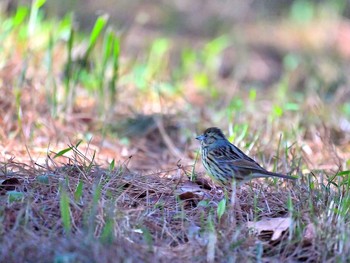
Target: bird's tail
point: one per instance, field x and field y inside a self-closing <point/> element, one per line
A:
<point x="281" y="176"/>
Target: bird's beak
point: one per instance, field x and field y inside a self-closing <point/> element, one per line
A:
<point x="200" y="137"/>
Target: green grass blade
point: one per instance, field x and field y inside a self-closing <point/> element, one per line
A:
<point x="33" y="18"/>
<point x="147" y="237"/>
<point x="221" y="208"/>
<point x="112" y="165"/>
<point x="69" y="71"/>
<point x="107" y="235"/>
<point x="65" y="211"/>
<point x="115" y="76"/>
<point x="62" y="152"/>
<point x="79" y="191"/>
<point x="20" y="16"/>
<point x="107" y="53"/>
<point x="51" y="86"/>
<point x="193" y="176"/>
<point x="97" y="194"/>
<point x="95" y="33"/>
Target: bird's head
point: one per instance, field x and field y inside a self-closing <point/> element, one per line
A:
<point x="211" y="136"/>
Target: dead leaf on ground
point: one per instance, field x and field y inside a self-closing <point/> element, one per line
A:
<point x="190" y="190"/>
<point x="309" y="232"/>
<point x="274" y="225"/>
<point x="9" y="184"/>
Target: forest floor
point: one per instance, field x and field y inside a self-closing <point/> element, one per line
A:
<point x="99" y="161"/>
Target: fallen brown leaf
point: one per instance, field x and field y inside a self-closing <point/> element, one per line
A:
<point x="309" y="232"/>
<point x="275" y="225"/>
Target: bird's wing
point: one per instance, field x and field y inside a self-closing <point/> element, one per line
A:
<point x="234" y="156"/>
<point x="245" y="164"/>
<point x="232" y="161"/>
<point x="225" y="154"/>
<point x="222" y="157"/>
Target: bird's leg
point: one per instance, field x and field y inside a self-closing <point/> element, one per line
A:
<point x="235" y="203"/>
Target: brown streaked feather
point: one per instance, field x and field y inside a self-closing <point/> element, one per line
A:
<point x="247" y="165"/>
<point x="224" y="161"/>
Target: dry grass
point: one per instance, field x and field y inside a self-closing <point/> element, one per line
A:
<point x="82" y="206"/>
<point x="146" y="209"/>
<point x="123" y="215"/>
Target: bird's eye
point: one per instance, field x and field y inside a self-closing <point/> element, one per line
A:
<point x="210" y="140"/>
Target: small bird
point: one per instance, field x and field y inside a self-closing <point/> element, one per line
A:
<point x="225" y="162"/>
